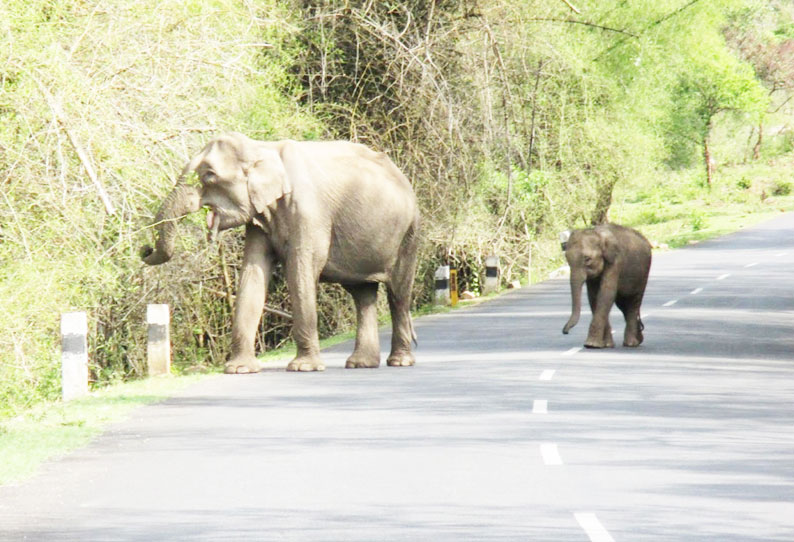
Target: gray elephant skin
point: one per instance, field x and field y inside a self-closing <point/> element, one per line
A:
<point x="614" y="261"/>
<point x="331" y="211"/>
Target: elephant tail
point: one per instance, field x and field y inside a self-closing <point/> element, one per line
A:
<point x="641" y="325"/>
<point x="413" y="331"/>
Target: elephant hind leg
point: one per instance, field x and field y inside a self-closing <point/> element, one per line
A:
<point x="402" y="330"/>
<point x="366" y="353"/>
<point x="630" y="307"/>
<point x="399" y="290"/>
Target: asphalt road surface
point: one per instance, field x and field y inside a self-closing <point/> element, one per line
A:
<point x="504" y="430"/>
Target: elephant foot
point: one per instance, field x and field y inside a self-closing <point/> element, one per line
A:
<point x="633" y="342"/>
<point x="599" y="344"/>
<point x="358" y="361"/>
<point x="632" y="337"/>
<point x="241" y="366"/>
<point x="306" y="364"/>
<point x="404" y="359"/>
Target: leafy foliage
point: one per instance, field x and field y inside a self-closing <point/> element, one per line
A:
<point x="137" y="89"/>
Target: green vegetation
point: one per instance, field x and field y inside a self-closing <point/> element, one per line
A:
<point x="46" y="431"/>
<point x="514" y="120"/>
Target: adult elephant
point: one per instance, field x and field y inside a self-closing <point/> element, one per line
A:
<point x="614" y="261"/>
<point x="329" y="211"/>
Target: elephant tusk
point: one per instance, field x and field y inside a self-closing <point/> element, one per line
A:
<point x="213" y="223"/>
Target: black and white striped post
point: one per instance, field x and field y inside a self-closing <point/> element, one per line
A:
<point x="74" y="355"/>
<point x="158" y="348"/>
<point x="491" y="275"/>
<point x="564" y="236"/>
<point x="442" y="285"/>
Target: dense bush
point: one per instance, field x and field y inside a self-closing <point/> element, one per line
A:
<point x="136" y="88"/>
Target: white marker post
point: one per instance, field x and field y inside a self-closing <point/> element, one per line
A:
<point x="491" y="275"/>
<point x="74" y="355"/>
<point x="442" y="285"/>
<point x="158" y="348"/>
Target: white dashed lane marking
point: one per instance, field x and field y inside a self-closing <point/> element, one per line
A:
<point x="670" y="303"/>
<point x="550" y="454"/>
<point x="540" y="406"/>
<point x="751" y="265"/>
<point x="548" y="374"/>
<point x="696" y="291"/>
<point x="589" y="522"/>
<point x="572" y="351"/>
<point x="723" y="277"/>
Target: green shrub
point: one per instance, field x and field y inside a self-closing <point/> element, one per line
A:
<point x="697" y="221"/>
<point x="781" y="188"/>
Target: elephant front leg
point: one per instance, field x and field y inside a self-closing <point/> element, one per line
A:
<point x="600" y="335"/>
<point x="366" y="354"/>
<point x="302" y="283"/>
<point x="254" y="277"/>
<point x="601" y="296"/>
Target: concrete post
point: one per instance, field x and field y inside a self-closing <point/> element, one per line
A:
<point x="74" y="355"/>
<point x="158" y="348"/>
<point x="491" y="275"/>
<point x="442" y="285"/>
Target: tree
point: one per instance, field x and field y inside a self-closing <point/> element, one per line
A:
<point x="710" y="80"/>
<point x="764" y="37"/>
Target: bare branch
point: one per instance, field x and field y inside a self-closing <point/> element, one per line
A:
<point x="573" y="8"/>
<point x="585" y="23"/>
<point x="81" y="154"/>
<point x="648" y="27"/>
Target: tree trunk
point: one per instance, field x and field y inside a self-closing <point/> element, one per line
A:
<point x="707" y="154"/>
<point x="707" y="158"/>
<point x="534" y="111"/>
<point x="757" y="147"/>
<point x="603" y="202"/>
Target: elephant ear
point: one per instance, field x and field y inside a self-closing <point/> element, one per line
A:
<point x="609" y="245"/>
<point x="267" y="180"/>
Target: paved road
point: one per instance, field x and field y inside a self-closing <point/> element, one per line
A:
<point x="505" y="430"/>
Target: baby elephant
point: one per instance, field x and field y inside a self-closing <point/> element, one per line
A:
<point x="614" y="261"/>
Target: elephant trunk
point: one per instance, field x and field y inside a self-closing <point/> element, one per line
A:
<point x="577" y="281"/>
<point x="183" y="199"/>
